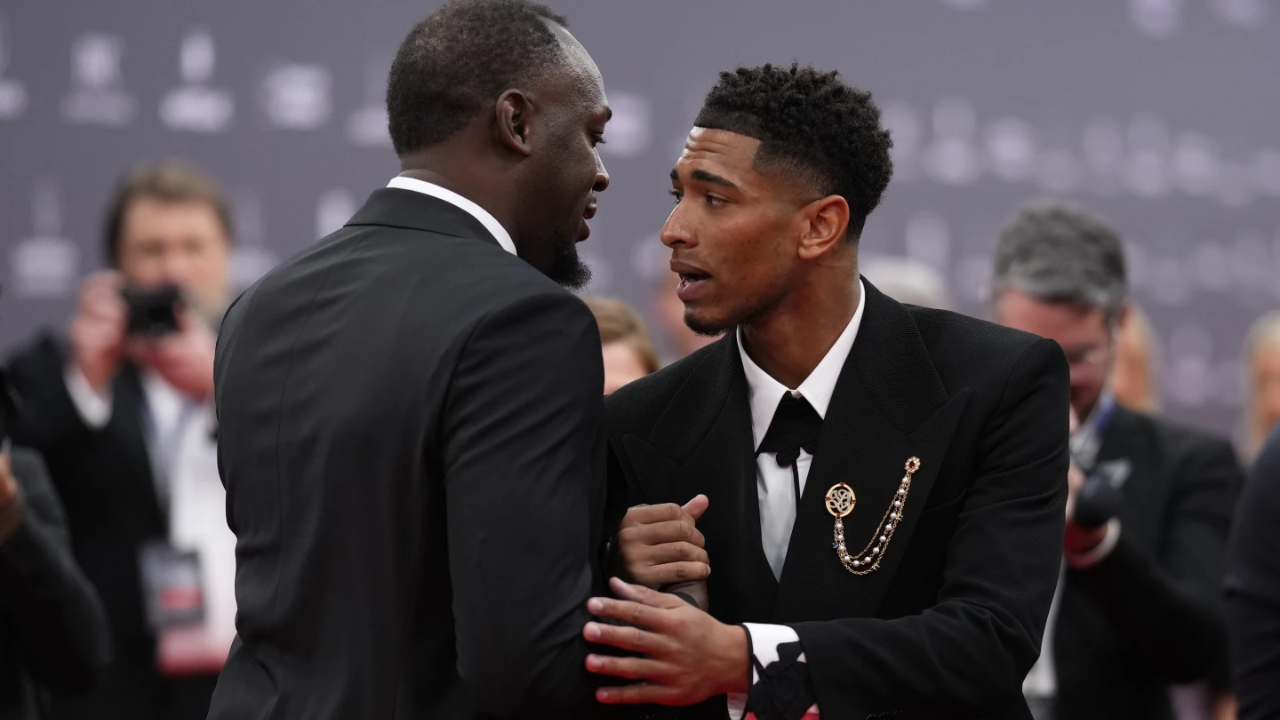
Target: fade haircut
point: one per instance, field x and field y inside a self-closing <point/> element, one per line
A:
<point x="810" y="124"/>
<point x="1062" y="254"/>
<point x="456" y="62"/>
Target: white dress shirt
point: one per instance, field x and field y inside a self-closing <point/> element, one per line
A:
<point x="490" y="222"/>
<point x="774" y="489"/>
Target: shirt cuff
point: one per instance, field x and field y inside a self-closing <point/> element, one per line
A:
<point x="94" y="407"/>
<point x="1089" y="558"/>
<point x="775" y="650"/>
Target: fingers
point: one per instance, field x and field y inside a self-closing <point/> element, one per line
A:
<point x="697" y="506"/>
<point x="661" y="533"/>
<point x="677" y="553"/>
<point x="644" y="693"/>
<point x="647" y="514"/>
<point x="629" y="668"/>
<point x="657" y="576"/>
<point x="626" y="637"/>
<point x="645" y="596"/>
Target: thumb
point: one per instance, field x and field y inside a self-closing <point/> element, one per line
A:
<point x="697" y="506"/>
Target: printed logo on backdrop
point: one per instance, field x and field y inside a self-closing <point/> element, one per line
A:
<point x="195" y="105"/>
<point x="297" y="97"/>
<point x="250" y="259"/>
<point x="367" y="126"/>
<point x="97" y="95"/>
<point x="333" y="210"/>
<point x="44" y="265"/>
<point x="13" y="96"/>
<point x="953" y="157"/>
<point x="631" y="128"/>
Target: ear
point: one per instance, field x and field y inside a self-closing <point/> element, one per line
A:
<point x="512" y="114"/>
<point x="828" y="221"/>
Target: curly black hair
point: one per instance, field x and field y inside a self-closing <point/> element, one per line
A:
<point x="810" y="123"/>
<point x="459" y="59"/>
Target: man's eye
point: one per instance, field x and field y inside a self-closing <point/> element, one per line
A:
<point x="677" y="195"/>
<point x="714" y="200"/>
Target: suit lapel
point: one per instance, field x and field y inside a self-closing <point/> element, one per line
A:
<point x="702" y="444"/>
<point x="889" y="405"/>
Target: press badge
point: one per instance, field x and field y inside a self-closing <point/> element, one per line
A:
<point x="171" y="585"/>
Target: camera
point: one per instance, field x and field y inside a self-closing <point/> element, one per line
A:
<point x="152" y="311"/>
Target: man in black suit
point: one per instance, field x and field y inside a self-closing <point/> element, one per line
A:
<point x="1139" y="606"/>
<point x="124" y="422"/>
<point x="411" y="424"/>
<point x="886" y="483"/>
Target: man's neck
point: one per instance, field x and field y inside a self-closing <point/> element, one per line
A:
<point x="789" y="341"/>
<point x="464" y="177"/>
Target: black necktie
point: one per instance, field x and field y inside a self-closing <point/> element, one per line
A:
<point x="795" y="427"/>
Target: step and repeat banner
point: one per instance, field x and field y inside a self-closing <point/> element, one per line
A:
<point x="1159" y="114"/>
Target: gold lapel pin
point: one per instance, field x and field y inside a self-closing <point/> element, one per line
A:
<point x="841" y="501"/>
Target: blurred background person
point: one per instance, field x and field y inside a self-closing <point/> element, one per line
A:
<point x="1139" y="605"/>
<point x="1133" y="378"/>
<point x="908" y="281"/>
<point x="624" y="339"/>
<point x="121" y="412"/>
<point x="1253" y="589"/>
<point x="1262" y="385"/>
<point x="53" y="631"/>
<point x="677" y="339"/>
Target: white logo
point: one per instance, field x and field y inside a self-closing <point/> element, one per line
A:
<point x="13" y="96"/>
<point x="1011" y="149"/>
<point x="367" y="127"/>
<point x="928" y="239"/>
<point x="195" y="106"/>
<point x="297" y="97"/>
<point x="1242" y="13"/>
<point x="629" y="132"/>
<point x="1147" y="167"/>
<point x="45" y="265"/>
<point x="1195" y="164"/>
<point x="953" y="157"/>
<point x="97" y="94"/>
<point x="1157" y="18"/>
<point x="904" y="126"/>
<point x="249" y="259"/>
<point x="333" y="210"/>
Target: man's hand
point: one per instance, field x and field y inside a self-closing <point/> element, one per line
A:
<point x="689" y="656"/>
<point x="184" y="359"/>
<point x="659" y="544"/>
<point x="98" y="328"/>
<point x="12" y="508"/>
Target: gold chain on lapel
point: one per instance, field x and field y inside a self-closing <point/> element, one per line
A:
<point x="840" y="502"/>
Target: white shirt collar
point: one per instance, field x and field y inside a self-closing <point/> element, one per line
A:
<point x="764" y="391"/>
<point x="490" y="222"/>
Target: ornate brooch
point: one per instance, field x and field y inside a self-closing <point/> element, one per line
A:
<point x="841" y="501"/>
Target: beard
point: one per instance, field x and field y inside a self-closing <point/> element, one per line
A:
<point x="567" y="268"/>
<point x="714" y="327"/>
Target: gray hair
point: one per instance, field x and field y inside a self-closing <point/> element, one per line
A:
<point x="908" y="281"/>
<point x="1060" y="253"/>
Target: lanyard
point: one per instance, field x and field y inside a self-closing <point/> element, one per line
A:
<point x="164" y="447"/>
<point x="1087" y="441"/>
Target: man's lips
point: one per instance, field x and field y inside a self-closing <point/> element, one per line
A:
<point x="693" y="280"/>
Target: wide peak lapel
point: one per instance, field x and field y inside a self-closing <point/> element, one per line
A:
<point x="889" y="405"/>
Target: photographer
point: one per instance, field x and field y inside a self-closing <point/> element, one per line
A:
<point x="122" y="414"/>
<point x="53" y="633"/>
<point x="1139" y="605"/>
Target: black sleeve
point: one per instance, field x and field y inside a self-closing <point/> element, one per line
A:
<point x="969" y="653"/>
<point x="1253" y="590"/>
<point x="1146" y="601"/>
<point x="58" y="618"/>
<point x="525" y="485"/>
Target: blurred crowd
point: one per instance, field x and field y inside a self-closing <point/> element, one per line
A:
<point x="117" y="565"/>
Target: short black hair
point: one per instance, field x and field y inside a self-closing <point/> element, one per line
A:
<point x="812" y="123"/>
<point x="460" y="58"/>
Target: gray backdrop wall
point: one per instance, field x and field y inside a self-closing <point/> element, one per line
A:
<point x="1160" y="114"/>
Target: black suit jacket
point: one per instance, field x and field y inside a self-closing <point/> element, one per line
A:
<point x="1150" y="613"/>
<point x="951" y="622"/>
<point x="1253" y="589"/>
<point x="411" y="437"/>
<point x="53" y="631"/>
<point x="105" y="481"/>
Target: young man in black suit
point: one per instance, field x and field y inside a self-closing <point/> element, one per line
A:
<point x="886" y="483"/>
<point x="411" y="420"/>
<point x="1139" y="607"/>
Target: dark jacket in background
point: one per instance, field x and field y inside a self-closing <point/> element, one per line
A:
<point x="105" y="481"/>
<point x="1253" y="589"/>
<point x="1150" y="613"/>
<point x="411" y="437"/>
<point x="53" y="632"/>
